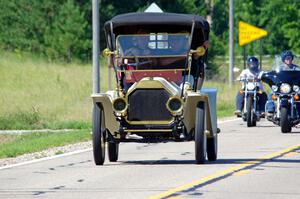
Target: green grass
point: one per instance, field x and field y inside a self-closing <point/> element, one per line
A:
<point x="7" y="138"/>
<point x="29" y="143"/>
<point x="35" y="93"/>
<point x="225" y="97"/>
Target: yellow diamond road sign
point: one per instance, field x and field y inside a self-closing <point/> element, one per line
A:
<point x="249" y="33"/>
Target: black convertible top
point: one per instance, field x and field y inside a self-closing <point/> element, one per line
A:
<point x="130" y="23"/>
<point x="148" y="18"/>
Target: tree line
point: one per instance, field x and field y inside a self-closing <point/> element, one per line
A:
<point x="62" y="29"/>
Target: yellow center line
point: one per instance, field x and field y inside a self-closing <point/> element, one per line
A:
<point x="290" y="154"/>
<point x="219" y="174"/>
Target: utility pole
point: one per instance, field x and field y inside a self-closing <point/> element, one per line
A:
<point x="210" y="10"/>
<point x="231" y="42"/>
<point x="96" y="48"/>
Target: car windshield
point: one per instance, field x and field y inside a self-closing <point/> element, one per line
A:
<point x="153" y="45"/>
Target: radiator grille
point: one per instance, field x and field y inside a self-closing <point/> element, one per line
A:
<point x="148" y="105"/>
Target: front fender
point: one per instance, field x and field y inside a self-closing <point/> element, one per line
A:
<point x="106" y="99"/>
<point x="284" y="102"/>
<point x="192" y="100"/>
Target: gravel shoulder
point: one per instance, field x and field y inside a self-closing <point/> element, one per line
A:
<point x="46" y="153"/>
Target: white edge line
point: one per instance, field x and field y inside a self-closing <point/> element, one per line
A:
<point x="73" y="153"/>
<point x="45" y="158"/>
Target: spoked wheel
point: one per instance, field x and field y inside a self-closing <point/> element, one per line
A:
<point x="212" y="148"/>
<point x="200" y="136"/>
<point x="99" y="135"/>
<point x="113" y="151"/>
<point x="251" y="116"/>
<point x="284" y="120"/>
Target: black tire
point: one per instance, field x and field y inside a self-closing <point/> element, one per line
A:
<point x="212" y="148"/>
<point x="113" y="151"/>
<point x="98" y="135"/>
<point x="200" y="136"/>
<point x="284" y="120"/>
<point x="251" y="119"/>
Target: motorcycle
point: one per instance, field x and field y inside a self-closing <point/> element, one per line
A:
<point x="251" y="90"/>
<point x="285" y="88"/>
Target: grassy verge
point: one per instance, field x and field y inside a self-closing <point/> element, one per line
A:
<point x="14" y="145"/>
<point x="225" y="97"/>
<point x="35" y="93"/>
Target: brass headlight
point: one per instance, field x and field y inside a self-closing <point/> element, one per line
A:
<point x="175" y="105"/>
<point x="120" y="105"/>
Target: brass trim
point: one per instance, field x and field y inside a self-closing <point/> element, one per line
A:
<point x="208" y="134"/>
<point x="162" y="122"/>
<point x="148" y="130"/>
<point x="154" y="56"/>
<point x="152" y="70"/>
<point x="200" y="51"/>
<point x="154" y="83"/>
<point x="106" y="52"/>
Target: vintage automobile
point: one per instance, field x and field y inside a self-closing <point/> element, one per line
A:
<point x="158" y="59"/>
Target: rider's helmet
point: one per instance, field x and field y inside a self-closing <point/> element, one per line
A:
<point x="286" y="54"/>
<point x="252" y="63"/>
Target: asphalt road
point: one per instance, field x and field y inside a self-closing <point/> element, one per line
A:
<point x="258" y="162"/>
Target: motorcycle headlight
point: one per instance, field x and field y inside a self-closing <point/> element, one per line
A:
<point x="285" y="88"/>
<point x="296" y="88"/>
<point x="250" y="86"/>
<point x="274" y="88"/>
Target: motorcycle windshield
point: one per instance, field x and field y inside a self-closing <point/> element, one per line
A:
<point x="291" y="77"/>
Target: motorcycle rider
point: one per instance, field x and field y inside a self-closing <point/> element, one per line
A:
<point x="251" y="72"/>
<point x="287" y="58"/>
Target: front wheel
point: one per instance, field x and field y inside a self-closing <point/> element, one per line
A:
<point x="284" y="120"/>
<point x="251" y="119"/>
<point x="200" y="136"/>
<point x="98" y="135"/>
<point x="212" y="148"/>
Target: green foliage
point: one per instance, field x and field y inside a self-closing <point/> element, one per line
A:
<point x="66" y="39"/>
<point x="281" y="20"/>
<point x="62" y="29"/>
